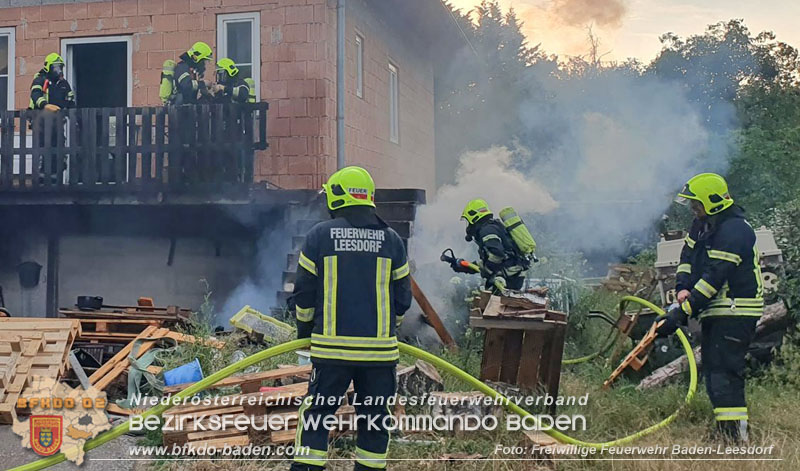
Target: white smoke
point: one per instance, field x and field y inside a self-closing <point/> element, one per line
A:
<point x="487" y="175"/>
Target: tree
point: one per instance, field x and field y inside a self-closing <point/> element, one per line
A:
<point x="485" y="80"/>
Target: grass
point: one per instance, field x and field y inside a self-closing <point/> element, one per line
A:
<point x="773" y="396"/>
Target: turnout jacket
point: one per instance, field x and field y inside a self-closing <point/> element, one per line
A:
<point x="496" y="250"/>
<point x="352" y="289"/>
<point x="719" y="265"/>
<point x="44" y="92"/>
<point x="234" y="91"/>
<point x="186" y="82"/>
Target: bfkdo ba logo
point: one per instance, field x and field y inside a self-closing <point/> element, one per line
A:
<point x="46" y="433"/>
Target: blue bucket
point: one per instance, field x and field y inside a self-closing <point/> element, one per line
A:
<point x="188" y="373"/>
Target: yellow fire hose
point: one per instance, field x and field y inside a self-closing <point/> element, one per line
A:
<point x="408" y="349"/>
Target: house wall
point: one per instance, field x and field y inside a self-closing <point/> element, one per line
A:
<point x="298" y="76"/>
<point x="407" y="164"/>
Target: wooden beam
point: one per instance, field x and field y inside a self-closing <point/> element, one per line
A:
<point x="431" y="315"/>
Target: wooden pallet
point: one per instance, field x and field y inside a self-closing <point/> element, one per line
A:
<point x="57" y="336"/>
<point x="16" y="370"/>
<point x="194" y="417"/>
<point x="168" y="315"/>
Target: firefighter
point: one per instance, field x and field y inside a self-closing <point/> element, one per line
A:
<point x="719" y="282"/>
<point x="230" y="87"/>
<point x="350" y="295"/>
<point x="189" y="73"/>
<point x="50" y="90"/>
<point x="499" y="264"/>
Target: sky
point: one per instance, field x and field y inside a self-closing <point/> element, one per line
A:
<point x="630" y="28"/>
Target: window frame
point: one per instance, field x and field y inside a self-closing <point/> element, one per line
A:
<point x="359" y="64"/>
<point x="255" y="39"/>
<point x="394" y="103"/>
<point x="12" y="61"/>
<point x="69" y="73"/>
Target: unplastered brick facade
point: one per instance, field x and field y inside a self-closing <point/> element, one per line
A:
<point x="297" y="75"/>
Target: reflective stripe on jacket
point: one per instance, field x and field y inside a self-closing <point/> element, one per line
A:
<point x="352" y="290"/>
<point x="719" y="265"/>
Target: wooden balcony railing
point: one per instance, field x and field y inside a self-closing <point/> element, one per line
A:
<point x="149" y="148"/>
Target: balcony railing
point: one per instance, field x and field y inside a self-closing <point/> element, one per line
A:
<point x="146" y="148"/>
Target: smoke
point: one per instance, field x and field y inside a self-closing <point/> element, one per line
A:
<point x="260" y="289"/>
<point x="582" y="12"/>
<point x="599" y="157"/>
<point x="488" y="175"/>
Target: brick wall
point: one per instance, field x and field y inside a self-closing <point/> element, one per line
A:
<point x="298" y="77"/>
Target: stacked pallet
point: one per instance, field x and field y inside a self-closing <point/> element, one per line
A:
<point x="30" y="347"/>
<point x="121" y="324"/>
<point x="524" y="339"/>
<point x="530" y="305"/>
<point x="267" y="407"/>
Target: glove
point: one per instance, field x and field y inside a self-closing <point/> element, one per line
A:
<point x="50" y="107"/>
<point x="672" y="320"/>
<point x="217" y="88"/>
<point x="499" y="283"/>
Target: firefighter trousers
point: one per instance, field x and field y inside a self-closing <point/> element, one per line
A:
<point x="373" y="386"/>
<point x="724" y="346"/>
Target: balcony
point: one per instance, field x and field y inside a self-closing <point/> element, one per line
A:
<point x="202" y="148"/>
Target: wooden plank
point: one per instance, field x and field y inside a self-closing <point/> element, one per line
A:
<point x="61" y="148"/>
<point x="132" y="147"/>
<point x="74" y="147"/>
<point x="514" y="324"/>
<point x="174" y="173"/>
<point x="25" y="117"/>
<point x="119" y="146"/>
<point x="554" y="357"/>
<point x="492" y="354"/>
<point x="122" y="365"/>
<point x="6" y="148"/>
<point x="532" y="345"/>
<point x="122" y="354"/>
<point x="103" y="161"/>
<point x="219" y="443"/>
<point x="161" y="132"/>
<point x="431" y="315"/>
<point x="147" y="143"/>
<point x="512" y="351"/>
<point x="90" y="142"/>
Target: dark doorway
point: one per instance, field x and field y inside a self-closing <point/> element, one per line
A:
<point x="100" y="72"/>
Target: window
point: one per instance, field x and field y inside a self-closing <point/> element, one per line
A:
<point x="7" y="68"/>
<point x="239" y="38"/>
<point x="360" y="66"/>
<point x="394" y="105"/>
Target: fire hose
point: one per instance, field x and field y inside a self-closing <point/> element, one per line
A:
<point x="415" y="352"/>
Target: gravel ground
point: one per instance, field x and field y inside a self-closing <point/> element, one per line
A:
<point x="13" y="454"/>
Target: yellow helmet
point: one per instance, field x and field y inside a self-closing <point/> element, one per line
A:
<point x="476" y="210"/>
<point x="350" y="186"/>
<point x="199" y="51"/>
<point x="52" y="59"/>
<point x="228" y="66"/>
<point x="709" y="189"/>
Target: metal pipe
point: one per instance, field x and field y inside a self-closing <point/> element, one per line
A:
<point x="340" y="96"/>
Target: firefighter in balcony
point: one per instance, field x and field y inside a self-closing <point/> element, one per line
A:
<point x="503" y="260"/>
<point x="50" y="91"/>
<point x="230" y="87"/>
<point x="719" y="282"/>
<point x="350" y="295"/>
<point x="189" y="71"/>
